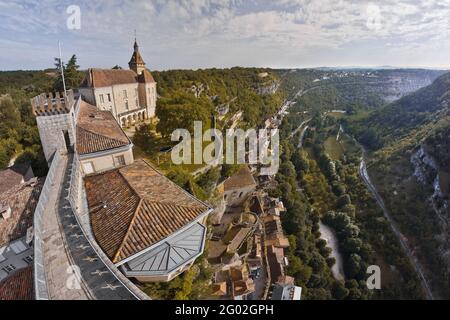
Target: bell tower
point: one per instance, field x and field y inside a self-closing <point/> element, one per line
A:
<point x="136" y="63"/>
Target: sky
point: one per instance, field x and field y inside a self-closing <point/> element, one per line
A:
<point x="192" y="34"/>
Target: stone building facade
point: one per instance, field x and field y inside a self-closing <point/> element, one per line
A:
<point x="130" y="95"/>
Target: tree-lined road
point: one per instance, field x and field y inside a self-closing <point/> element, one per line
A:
<point x="415" y="263"/>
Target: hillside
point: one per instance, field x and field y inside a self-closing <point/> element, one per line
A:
<point x="413" y="116"/>
<point x="196" y="95"/>
<point x="18" y="132"/>
<point x="409" y="165"/>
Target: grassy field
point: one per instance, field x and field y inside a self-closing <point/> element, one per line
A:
<point x="333" y="148"/>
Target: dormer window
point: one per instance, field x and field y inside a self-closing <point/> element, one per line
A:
<point x="5" y="211"/>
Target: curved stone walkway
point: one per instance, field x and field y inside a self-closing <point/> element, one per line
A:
<point x="73" y="268"/>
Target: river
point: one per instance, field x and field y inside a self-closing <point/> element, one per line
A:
<point x="330" y="237"/>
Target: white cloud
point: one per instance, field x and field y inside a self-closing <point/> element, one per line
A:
<point x="192" y="33"/>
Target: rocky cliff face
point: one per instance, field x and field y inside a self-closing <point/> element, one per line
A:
<point x="428" y="172"/>
<point x="270" y="88"/>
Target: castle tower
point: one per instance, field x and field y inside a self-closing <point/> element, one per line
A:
<point x="136" y="63"/>
<point x="55" y="119"/>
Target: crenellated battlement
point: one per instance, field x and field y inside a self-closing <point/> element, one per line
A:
<point x="47" y="104"/>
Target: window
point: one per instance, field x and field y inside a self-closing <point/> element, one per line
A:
<point x="137" y="102"/>
<point x="18" y="246"/>
<point x="135" y="92"/>
<point x="9" y="268"/>
<point x="126" y="105"/>
<point x="125" y="95"/>
<point x="28" y="259"/>
<point x="109" y="97"/>
<point x="102" y="99"/>
<point x="240" y="195"/>
<point x="88" y="167"/>
<point x="120" y="161"/>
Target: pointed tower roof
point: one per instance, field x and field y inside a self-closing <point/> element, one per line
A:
<point x="136" y="62"/>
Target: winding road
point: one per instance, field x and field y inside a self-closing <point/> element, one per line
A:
<point x="402" y="239"/>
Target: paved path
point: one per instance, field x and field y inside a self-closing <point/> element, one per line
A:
<point x="56" y="259"/>
<point x="69" y="246"/>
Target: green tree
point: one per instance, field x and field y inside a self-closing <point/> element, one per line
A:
<point x="72" y="75"/>
<point x="9" y="116"/>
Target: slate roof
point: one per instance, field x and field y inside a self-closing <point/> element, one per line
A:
<point x="22" y="199"/>
<point x="97" y="130"/>
<point x="134" y="207"/>
<point x="136" y="57"/>
<point x="18" y="286"/>
<point x="170" y="254"/>
<point x="241" y="179"/>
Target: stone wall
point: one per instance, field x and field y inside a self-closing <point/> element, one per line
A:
<point x="52" y="127"/>
<point x="51" y="131"/>
<point x="40" y="283"/>
<point x="75" y="184"/>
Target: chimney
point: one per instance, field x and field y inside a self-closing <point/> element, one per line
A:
<point x="5" y="211"/>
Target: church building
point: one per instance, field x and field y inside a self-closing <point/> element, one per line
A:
<point x="130" y="95"/>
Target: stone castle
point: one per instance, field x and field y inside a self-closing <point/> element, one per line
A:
<point x="103" y="214"/>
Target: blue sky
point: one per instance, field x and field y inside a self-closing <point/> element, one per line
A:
<point x="193" y="34"/>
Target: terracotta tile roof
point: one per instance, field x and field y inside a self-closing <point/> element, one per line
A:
<point x="97" y="78"/>
<point x="241" y="179"/>
<point x="134" y="207"/>
<point x="12" y="176"/>
<point x="97" y="130"/>
<point x="274" y="258"/>
<point x="18" y="286"/>
<point x="219" y="289"/>
<point x="22" y="199"/>
<point x="274" y="232"/>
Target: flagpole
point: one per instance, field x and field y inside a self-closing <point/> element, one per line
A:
<point x="62" y="68"/>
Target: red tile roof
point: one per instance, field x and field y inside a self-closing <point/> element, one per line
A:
<point x="97" y="130"/>
<point x="274" y="259"/>
<point x="134" y="207"/>
<point x="22" y="199"/>
<point x="18" y="286"/>
<point x="12" y="176"/>
<point x="241" y="179"/>
<point x="98" y="78"/>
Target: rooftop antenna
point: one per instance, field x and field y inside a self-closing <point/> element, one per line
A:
<point x="62" y="68"/>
